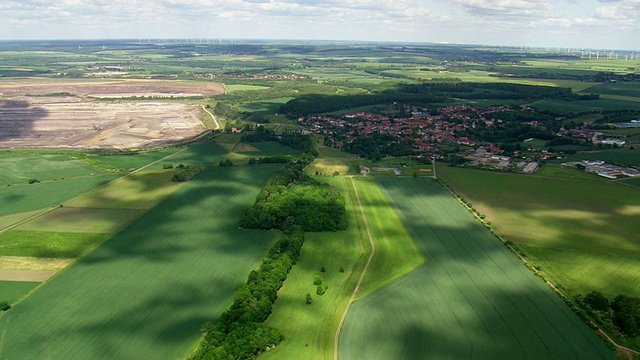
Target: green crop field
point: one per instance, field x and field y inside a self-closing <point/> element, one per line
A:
<point x="581" y="232"/>
<point x="270" y="106"/>
<point x="83" y="220"/>
<point x="272" y="148"/>
<point x="48" y="244"/>
<point x="130" y="161"/>
<point x="19" y="168"/>
<point x="25" y="198"/>
<point x="10" y="291"/>
<point x="206" y="153"/>
<point x="137" y="191"/>
<point x="622" y="88"/>
<point x="472" y="299"/>
<point x="240" y="87"/>
<point x="602" y="104"/>
<point x="396" y="252"/>
<point x="146" y="292"/>
<point x="309" y="330"/>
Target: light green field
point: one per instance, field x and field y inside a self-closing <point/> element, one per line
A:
<point x="82" y="220"/>
<point x="240" y="87"/>
<point x="146" y="292"/>
<point x="25" y="198"/>
<point x="309" y="330"/>
<point x="228" y="141"/>
<point x="10" y="291"/>
<point x="396" y="252"/>
<point x="594" y="220"/>
<point x="141" y="190"/>
<point x="48" y="244"/>
<point x="472" y="299"/>
<point x="273" y="148"/>
<point x="332" y="160"/>
<point x="19" y="168"/>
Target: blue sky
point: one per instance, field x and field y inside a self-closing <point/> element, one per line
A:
<point x="602" y="24"/>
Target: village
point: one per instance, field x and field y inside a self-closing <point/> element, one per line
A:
<point x="437" y="134"/>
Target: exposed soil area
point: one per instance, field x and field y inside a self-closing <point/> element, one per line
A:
<point x="57" y="114"/>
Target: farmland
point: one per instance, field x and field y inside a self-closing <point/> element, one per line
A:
<point x="160" y="278"/>
<point x="580" y="231"/>
<point x="469" y="305"/>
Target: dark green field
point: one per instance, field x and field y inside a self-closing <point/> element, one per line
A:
<point x="146" y="292"/>
<point x="472" y="299"/>
<point x="11" y="291"/>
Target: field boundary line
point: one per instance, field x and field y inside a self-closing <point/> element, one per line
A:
<point x="364" y="272"/>
<point x="502" y="238"/>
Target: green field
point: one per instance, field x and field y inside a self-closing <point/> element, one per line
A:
<point x="25" y="198"/>
<point x="601" y="104"/>
<point x="130" y="161"/>
<point x="48" y="244"/>
<point x="581" y="232"/>
<point x="19" y="168"/>
<point x="240" y="87"/>
<point x="472" y="299"/>
<point x="83" y="220"/>
<point x="10" y="291"/>
<point x="146" y="292"/>
<point x="137" y="191"/>
<point x="622" y="88"/>
<point x="270" y="106"/>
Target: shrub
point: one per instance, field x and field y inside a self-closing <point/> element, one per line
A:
<point x="309" y="300"/>
<point x="317" y="280"/>
<point x="322" y="269"/>
<point x="321" y="289"/>
<point x="4" y="306"/>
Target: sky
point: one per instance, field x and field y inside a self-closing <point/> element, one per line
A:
<point x="582" y="24"/>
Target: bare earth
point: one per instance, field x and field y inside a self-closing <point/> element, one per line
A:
<point x="68" y="114"/>
<point x="18" y="268"/>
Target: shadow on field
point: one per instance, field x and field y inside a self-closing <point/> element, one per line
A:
<point x="17" y="118"/>
<point x="146" y="292"/>
<point x="472" y="298"/>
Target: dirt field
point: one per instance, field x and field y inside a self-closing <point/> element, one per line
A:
<point x="109" y="88"/>
<point x="46" y="114"/>
<point x="17" y="268"/>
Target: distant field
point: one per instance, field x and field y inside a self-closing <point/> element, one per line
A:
<point x="48" y="244"/>
<point x="146" y="292"/>
<point x="273" y="148"/>
<point x="585" y="105"/>
<point x="270" y="106"/>
<point x="472" y="299"/>
<point x="11" y="291"/>
<point x="239" y="87"/>
<point x="25" y="198"/>
<point x="131" y="161"/>
<point x="20" y="168"/>
<point x="592" y="221"/>
<point x="206" y="153"/>
<point x="621" y="88"/>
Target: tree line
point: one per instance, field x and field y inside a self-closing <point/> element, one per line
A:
<point x="622" y="314"/>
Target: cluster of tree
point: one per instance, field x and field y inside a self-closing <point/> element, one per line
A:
<point x="617" y="116"/>
<point x="293" y="140"/>
<point x="186" y="173"/>
<point x="270" y="160"/>
<point x="292" y="198"/>
<point x="240" y="333"/>
<point x="621" y="314"/>
<point x="225" y="163"/>
<point x="376" y="146"/>
<point x="4" y="306"/>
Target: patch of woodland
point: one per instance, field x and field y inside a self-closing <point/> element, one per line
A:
<point x="187" y="172"/>
<point x="293" y="198"/>
<point x="620" y="315"/>
<point x="294" y="140"/>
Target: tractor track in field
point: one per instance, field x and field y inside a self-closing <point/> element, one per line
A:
<point x="364" y="272"/>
